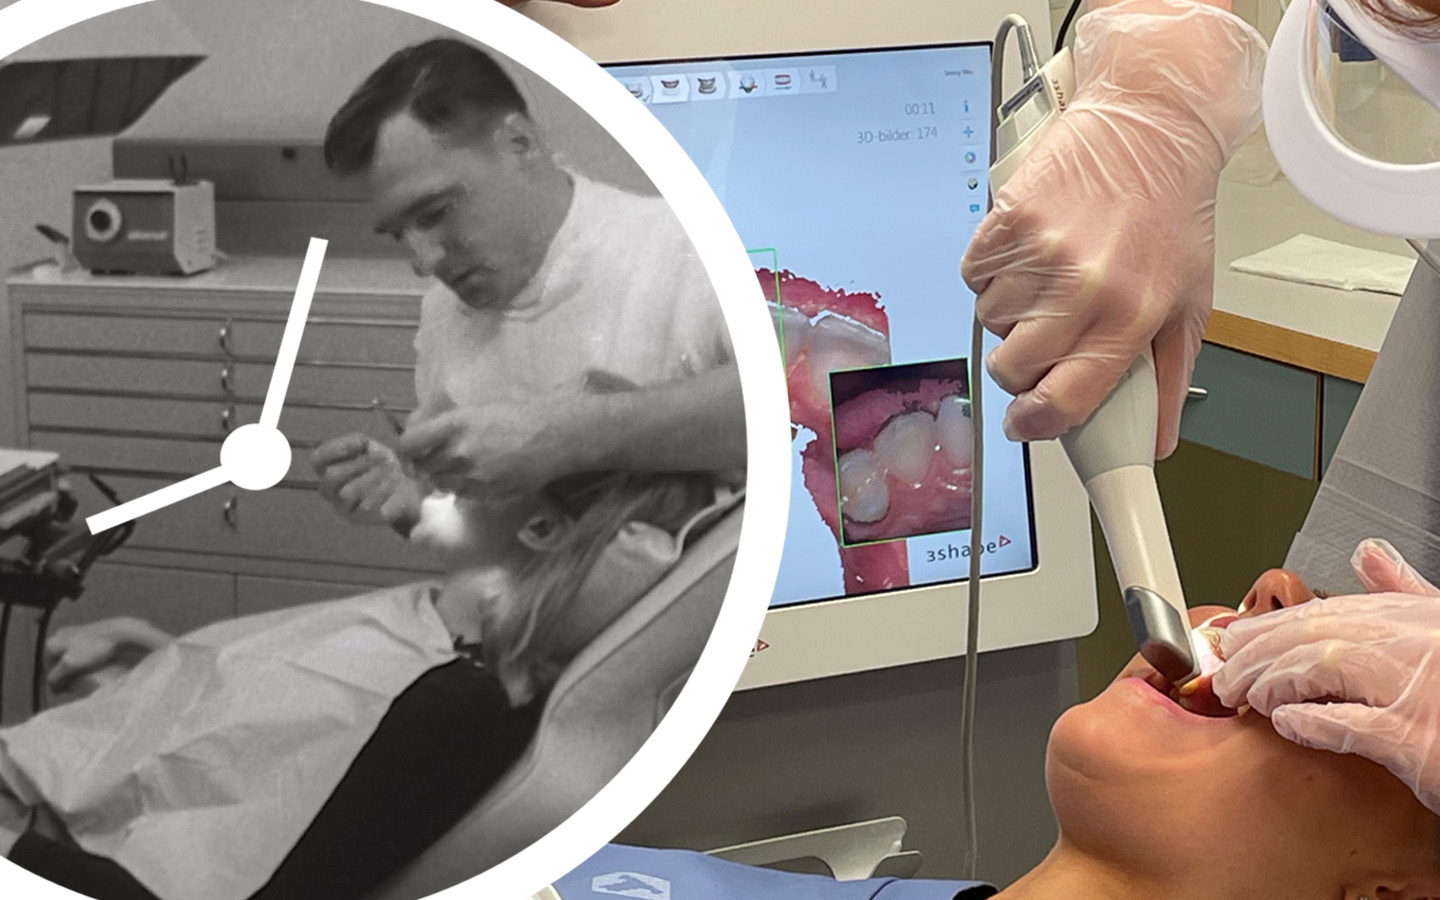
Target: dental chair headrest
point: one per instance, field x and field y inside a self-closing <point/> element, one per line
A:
<point x="603" y="708"/>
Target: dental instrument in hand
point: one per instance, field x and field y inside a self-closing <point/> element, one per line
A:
<point x="392" y="421"/>
<point x="1113" y="451"/>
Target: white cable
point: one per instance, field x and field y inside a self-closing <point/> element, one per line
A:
<point x="977" y="476"/>
<point x="972" y="635"/>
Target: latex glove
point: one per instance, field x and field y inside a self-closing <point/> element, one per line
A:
<point x="365" y="482"/>
<point x="80" y="659"/>
<point x="1350" y="674"/>
<point x="1103" y="241"/>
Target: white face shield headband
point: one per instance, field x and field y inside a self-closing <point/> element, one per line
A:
<point x="1352" y="111"/>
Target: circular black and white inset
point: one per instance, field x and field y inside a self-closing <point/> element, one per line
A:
<point x="619" y="592"/>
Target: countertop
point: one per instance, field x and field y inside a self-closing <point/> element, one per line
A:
<point x="1326" y="330"/>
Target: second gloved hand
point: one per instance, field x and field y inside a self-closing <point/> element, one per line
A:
<point x="1354" y="674"/>
<point x="1103" y="242"/>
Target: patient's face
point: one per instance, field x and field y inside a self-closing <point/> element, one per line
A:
<point x="1141" y="782"/>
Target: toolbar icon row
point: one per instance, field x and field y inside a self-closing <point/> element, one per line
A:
<point x="732" y="85"/>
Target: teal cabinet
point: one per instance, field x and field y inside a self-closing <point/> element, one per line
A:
<point x="1260" y="410"/>
<point x="1337" y="402"/>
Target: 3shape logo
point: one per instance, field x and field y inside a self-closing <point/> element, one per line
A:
<point x="631" y="884"/>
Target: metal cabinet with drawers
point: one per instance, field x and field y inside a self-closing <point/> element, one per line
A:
<point x="140" y="379"/>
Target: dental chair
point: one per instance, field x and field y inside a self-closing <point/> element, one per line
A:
<point x="603" y="708"/>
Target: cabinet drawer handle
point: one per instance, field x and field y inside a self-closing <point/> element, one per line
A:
<point x="226" y="380"/>
<point x="225" y="337"/>
<point x="231" y="505"/>
<point x="1196" y="393"/>
<point x="227" y="419"/>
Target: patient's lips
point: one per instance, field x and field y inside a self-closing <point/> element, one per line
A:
<point x="1274" y="590"/>
<point x="1198" y="695"/>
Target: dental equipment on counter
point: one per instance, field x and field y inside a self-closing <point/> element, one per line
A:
<point x="37" y="508"/>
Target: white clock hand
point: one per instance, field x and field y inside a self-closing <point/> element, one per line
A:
<point x="294" y="328"/>
<point x="134" y="509"/>
<point x="254" y="457"/>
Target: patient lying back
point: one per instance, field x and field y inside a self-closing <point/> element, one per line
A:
<point x="198" y="761"/>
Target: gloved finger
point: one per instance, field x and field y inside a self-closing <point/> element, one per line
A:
<point x="444" y="467"/>
<point x="1381" y="568"/>
<point x="339" y="449"/>
<point x="1034" y="287"/>
<point x="458" y="479"/>
<point x="1064" y="398"/>
<point x="1357" y="618"/>
<point x="1249" y="652"/>
<point x="1175" y="347"/>
<point x="341" y="474"/>
<point x="367" y="491"/>
<point x="1330" y="670"/>
<point x="428" y="437"/>
<point x="1335" y="727"/>
<point x="1029" y="351"/>
<point x="1004" y="302"/>
<point x="400" y="508"/>
<point x="993" y="247"/>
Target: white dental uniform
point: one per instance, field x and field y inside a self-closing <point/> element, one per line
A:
<point x="621" y="291"/>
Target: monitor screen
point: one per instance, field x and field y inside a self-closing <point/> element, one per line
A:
<point x="857" y="179"/>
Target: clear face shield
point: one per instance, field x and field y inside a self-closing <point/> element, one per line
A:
<point x="1352" y="110"/>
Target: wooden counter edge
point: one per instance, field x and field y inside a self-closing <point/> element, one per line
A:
<point x="1295" y="348"/>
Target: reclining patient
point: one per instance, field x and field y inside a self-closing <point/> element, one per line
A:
<point x="1155" y="802"/>
<point x="312" y="752"/>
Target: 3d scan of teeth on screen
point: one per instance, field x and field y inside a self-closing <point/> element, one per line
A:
<point x="857" y="179"/>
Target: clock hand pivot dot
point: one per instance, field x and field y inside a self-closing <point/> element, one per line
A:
<point x="255" y="457"/>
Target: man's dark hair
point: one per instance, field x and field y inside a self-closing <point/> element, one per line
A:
<point x="448" y="85"/>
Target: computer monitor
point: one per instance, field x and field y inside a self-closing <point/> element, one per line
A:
<point x="857" y="178"/>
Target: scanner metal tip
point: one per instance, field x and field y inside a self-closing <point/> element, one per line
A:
<point x="1161" y="634"/>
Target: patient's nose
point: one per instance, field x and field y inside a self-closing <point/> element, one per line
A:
<point x="1274" y="590"/>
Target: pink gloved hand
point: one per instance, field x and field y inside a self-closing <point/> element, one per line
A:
<point x="1103" y="242"/>
<point x="1350" y="674"/>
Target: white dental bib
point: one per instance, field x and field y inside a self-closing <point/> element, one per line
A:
<point x="200" y="770"/>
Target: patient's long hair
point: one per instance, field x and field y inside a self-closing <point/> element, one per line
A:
<point x="529" y="638"/>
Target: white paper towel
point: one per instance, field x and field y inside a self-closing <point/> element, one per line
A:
<point x="1311" y="260"/>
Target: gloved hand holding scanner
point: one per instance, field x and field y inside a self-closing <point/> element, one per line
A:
<point x="1102" y="244"/>
<point x="1112" y="447"/>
